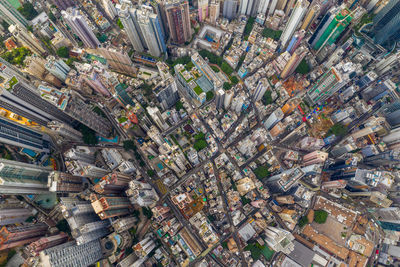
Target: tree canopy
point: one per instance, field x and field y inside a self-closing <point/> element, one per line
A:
<point x="89" y="136"/>
<point x="28" y="11"/>
<point x="179" y="105"/>
<point x="63" y="52"/>
<point x="338" y="129"/>
<point x="262" y="172"/>
<point x="303" y="67"/>
<point x="320" y="216"/>
<point x="227" y="86"/>
<point x="17" y="55"/>
<point x="270" y="33"/>
<point x="209" y="95"/>
<point x="267" y="98"/>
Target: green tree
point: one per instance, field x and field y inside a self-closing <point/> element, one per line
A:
<point x="147" y="212"/>
<point x="63" y="226"/>
<point x="63" y="52"/>
<point x="267" y="99"/>
<point x="17" y="56"/>
<point x="179" y="105"/>
<point x="5" y="25"/>
<point x="151" y="173"/>
<point x="89" y="136"/>
<point x="262" y="172"/>
<point x="303" y="221"/>
<point x="28" y="11"/>
<point x="227" y="86"/>
<point x="234" y="80"/>
<point x="338" y="129"/>
<point x="209" y="95"/>
<point x="215" y="69"/>
<point x="241" y="59"/>
<point x="320" y="216"/>
<point x="226" y="68"/>
<point x="189" y="66"/>
<point x="129" y="145"/>
<point x="248" y="27"/>
<point x="52" y="17"/>
<point x="119" y="23"/>
<point x="270" y="33"/>
<point x="199" y="145"/>
<point x="303" y="67"/>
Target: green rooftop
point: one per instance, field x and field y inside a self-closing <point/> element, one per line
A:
<point x="198" y="90"/>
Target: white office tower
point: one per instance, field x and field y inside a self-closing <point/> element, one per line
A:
<point x="127" y="16"/>
<point x="279" y="239"/>
<point x="150" y="26"/>
<point x="18" y="178"/>
<point x="79" y="26"/>
<point x="142" y="193"/>
<point x="272" y="7"/>
<point x="228" y="98"/>
<point x="219" y="98"/>
<point x="155" y="114"/>
<point x="65" y="131"/>
<point x="27" y="39"/>
<point x="263" y="6"/>
<point x="71" y="254"/>
<point x="215" y="6"/>
<point x="294" y="20"/>
<point x="109" y="8"/>
<point x="260" y="89"/>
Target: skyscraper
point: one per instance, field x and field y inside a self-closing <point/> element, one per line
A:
<point x="84" y="223"/>
<point x="11" y="214"/>
<point x="71" y="254"/>
<point x="202" y="10"/>
<point x="14" y="236"/>
<point x="13" y="133"/>
<point x="18" y="96"/>
<point x="141" y="193"/>
<point x="324" y="85"/>
<point x="260" y="89"/>
<point x="65" y="131"/>
<point x="11" y="15"/>
<point x="35" y="247"/>
<point x="331" y="26"/>
<point x="22" y="178"/>
<point x="152" y="32"/>
<point x="230" y="9"/>
<point x="219" y="98"/>
<point x="79" y="26"/>
<point x="177" y="12"/>
<point x="295" y="18"/>
<point x="57" y="67"/>
<point x="27" y="39"/>
<point x="127" y="15"/>
<point x="64" y="4"/>
<point x="61" y="182"/>
<point x="386" y="24"/>
<point x="293" y="62"/>
<point x="167" y="93"/>
<point x="214" y="11"/>
<point x="108" y="207"/>
<point x="311" y="15"/>
<point x="263" y="7"/>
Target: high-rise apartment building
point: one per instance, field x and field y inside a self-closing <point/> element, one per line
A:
<point x="151" y="29"/>
<point x="13" y="133"/>
<point x="293" y="62"/>
<point x="11" y="214"/>
<point x="71" y="254"/>
<point x="128" y="17"/>
<point x="294" y="20"/>
<point x="15" y="236"/>
<point x="230" y="9"/>
<point x="117" y="59"/>
<point x="108" y="207"/>
<point x="260" y="89"/>
<point x="34" y="248"/>
<point x="155" y="114"/>
<point x="167" y="93"/>
<point x="11" y="15"/>
<point x="61" y="182"/>
<point x="57" y="67"/>
<point x="124" y="224"/>
<point x="202" y="10"/>
<point x="177" y="13"/>
<point x="331" y="26"/>
<point x="18" y="96"/>
<point x="79" y="26"/>
<point x="22" y="178"/>
<point x="65" y="131"/>
<point x="141" y="193"/>
<point x="64" y="4"/>
<point x="263" y="7"/>
<point x="310" y="17"/>
<point x="27" y="39"/>
<point x="214" y="11"/>
<point x="109" y="8"/>
<point x="279" y="239"/>
<point x="324" y="85"/>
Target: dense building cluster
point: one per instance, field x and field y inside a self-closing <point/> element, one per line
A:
<point x="199" y="133"/>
